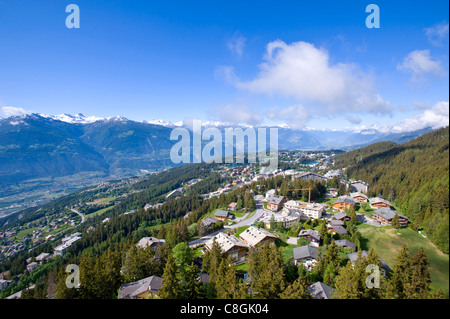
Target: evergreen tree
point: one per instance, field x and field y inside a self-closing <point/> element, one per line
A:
<point x="189" y="284"/>
<point x="395" y="221"/>
<point x="266" y="271"/>
<point x="347" y="284"/>
<point x="402" y="272"/>
<point x="420" y="278"/>
<point x="297" y="290"/>
<point x="170" y="288"/>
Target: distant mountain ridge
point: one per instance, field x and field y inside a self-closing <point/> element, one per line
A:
<point x="39" y="145"/>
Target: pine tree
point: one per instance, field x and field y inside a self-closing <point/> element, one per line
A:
<point x="402" y="272"/>
<point x="266" y="271"/>
<point x="226" y="286"/>
<point x="395" y="221"/>
<point x="420" y="278"/>
<point x="189" y="284"/>
<point x="297" y="290"/>
<point x="347" y="284"/>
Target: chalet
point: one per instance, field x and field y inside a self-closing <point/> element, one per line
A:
<point x="344" y="202"/>
<point x="359" y="197"/>
<point x="359" y="186"/>
<point x="275" y="202"/>
<point x="232" y="207"/>
<point x="379" y="202"/>
<point x="141" y="289"/>
<point x="335" y="222"/>
<point x="208" y="222"/>
<point x="333" y="173"/>
<point x="310" y="234"/>
<point x="222" y="215"/>
<point x="306" y="256"/>
<point x="254" y="236"/>
<point x="337" y="230"/>
<point x="151" y="242"/>
<point x="4" y="284"/>
<point x="345" y="243"/>
<point x="269" y="193"/>
<point x="320" y="291"/>
<point x="342" y="216"/>
<point x="354" y="257"/>
<point x="334" y="191"/>
<point x="230" y="245"/>
<point x="384" y="217"/>
<point x="32" y="266"/>
<point x="42" y="257"/>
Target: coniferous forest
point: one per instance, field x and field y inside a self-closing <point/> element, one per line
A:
<point x="414" y="176"/>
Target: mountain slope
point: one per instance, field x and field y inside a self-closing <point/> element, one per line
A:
<point x="33" y="147"/>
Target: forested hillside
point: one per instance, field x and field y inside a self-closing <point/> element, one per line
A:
<point x="413" y="175"/>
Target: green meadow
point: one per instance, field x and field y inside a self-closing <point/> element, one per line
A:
<point x="387" y="241"/>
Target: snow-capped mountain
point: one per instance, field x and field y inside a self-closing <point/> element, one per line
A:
<point x="73" y="119"/>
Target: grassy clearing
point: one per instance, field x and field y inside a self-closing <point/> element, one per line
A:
<point x="105" y="200"/>
<point x="387" y="242"/>
<point x="23" y="233"/>
<point x="99" y="212"/>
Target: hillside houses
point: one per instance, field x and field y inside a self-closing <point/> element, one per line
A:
<point x="312" y="235"/>
<point x="310" y="176"/>
<point x="150" y="242"/>
<point x="385" y="215"/>
<point x="345" y="243"/>
<point x="319" y="290"/>
<point x="354" y="257"/>
<point x="286" y="218"/>
<point x="222" y="215"/>
<point x="359" y="186"/>
<point x="306" y="256"/>
<point x="230" y="245"/>
<point x="66" y="243"/>
<point x="255" y="237"/>
<point x="379" y="202"/>
<point x="141" y="289"/>
<point x="344" y="202"/>
<point x="275" y="202"/>
<point x="359" y="197"/>
<point x="307" y="210"/>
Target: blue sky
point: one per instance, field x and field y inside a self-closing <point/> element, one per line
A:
<point x="305" y="63"/>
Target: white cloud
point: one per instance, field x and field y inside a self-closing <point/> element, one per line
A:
<point x="7" y="111"/>
<point x="237" y="114"/>
<point x="236" y="44"/>
<point x="438" y="34"/>
<point x="353" y="119"/>
<point x="419" y="63"/>
<point x="435" y="117"/>
<point x="304" y="73"/>
<point x="295" y="117"/>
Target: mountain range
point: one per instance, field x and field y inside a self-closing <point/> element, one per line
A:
<point x="34" y="146"/>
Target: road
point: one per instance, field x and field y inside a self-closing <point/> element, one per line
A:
<point x="81" y="215"/>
